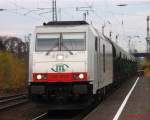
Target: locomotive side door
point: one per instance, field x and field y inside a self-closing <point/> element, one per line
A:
<point x="98" y="62"/>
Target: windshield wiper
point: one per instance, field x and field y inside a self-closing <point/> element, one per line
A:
<point x="70" y="52"/>
<point x="47" y="53"/>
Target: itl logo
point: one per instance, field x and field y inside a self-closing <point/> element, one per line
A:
<point x="60" y="68"/>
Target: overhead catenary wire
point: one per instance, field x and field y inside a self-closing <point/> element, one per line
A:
<point x="18" y="9"/>
<point x="39" y="10"/>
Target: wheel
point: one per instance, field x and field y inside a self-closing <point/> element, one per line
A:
<point x="99" y="95"/>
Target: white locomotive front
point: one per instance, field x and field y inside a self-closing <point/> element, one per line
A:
<point x="64" y="61"/>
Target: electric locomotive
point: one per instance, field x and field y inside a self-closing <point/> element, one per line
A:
<point x="71" y="60"/>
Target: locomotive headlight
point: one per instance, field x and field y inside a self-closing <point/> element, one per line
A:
<point x="42" y="76"/>
<point x="81" y="76"/>
<point x="60" y="57"/>
<point x="39" y="77"/>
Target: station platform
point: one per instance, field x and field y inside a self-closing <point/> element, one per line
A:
<point x="131" y="101"/>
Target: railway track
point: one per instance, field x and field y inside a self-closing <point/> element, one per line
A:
<point x="66" y="115"/>
<point x="11" y="101"/>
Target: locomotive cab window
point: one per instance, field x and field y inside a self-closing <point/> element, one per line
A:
<point x="73" y="41"/>
<point x="45" y="42"/>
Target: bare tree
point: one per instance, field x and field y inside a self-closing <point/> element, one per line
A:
<point x="14" y="45"/>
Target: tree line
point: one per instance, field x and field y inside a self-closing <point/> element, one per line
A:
<point x="14" y="45"/>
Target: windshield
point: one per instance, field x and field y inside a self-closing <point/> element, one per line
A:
<point x="46" y="42"/>
<point x="61" y="41"/>
<point x="73" y="41"/>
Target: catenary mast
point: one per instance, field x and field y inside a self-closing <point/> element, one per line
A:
<point x="54" y="11"/>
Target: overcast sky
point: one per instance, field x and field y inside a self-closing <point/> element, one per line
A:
<point x="20" y="17"/>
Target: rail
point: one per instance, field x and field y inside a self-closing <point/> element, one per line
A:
<point x="11" y="101"/>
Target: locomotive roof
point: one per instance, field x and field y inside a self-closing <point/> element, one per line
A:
<point x="66" y="23"/>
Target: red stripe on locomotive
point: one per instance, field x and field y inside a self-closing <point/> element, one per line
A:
<point x="59" y="77"/>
